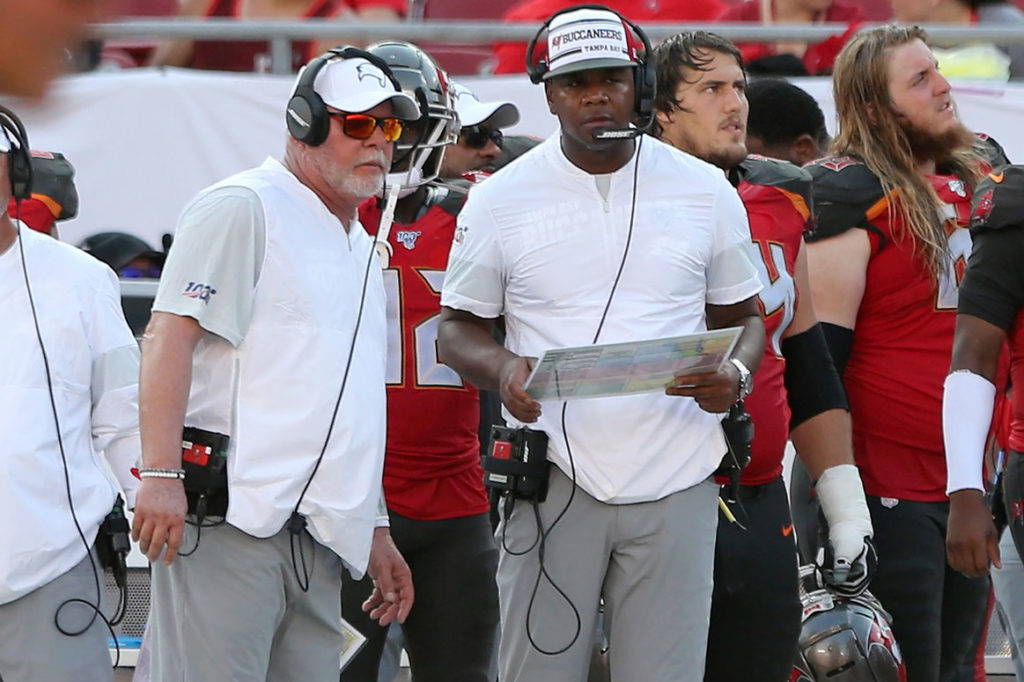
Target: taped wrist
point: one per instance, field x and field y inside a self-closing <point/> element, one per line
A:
<point x="968" y="400"/>
<point x="813" y="385"/>
<point x="845" y="508"/>
<point x="840" y="342"/>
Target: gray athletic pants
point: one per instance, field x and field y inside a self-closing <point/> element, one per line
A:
<point x="233" y="611"/>
<point x="651" y="562"/>
<point x="1009" y="586"/>
<point x="31" y="647"/>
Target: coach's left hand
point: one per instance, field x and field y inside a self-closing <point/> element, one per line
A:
<point x="392" y="595"/>
<point x="714" y="392"/>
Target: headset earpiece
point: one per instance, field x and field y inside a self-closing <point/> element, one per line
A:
<point x="306" y="114"/>
<point x="19" y="158"/>
<point x="536" y="69"/>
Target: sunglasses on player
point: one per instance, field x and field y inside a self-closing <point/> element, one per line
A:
<point x="477" y="137"/>
<point x="361" y="126"/>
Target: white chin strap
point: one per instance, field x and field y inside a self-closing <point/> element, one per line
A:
<point x="406" y="182"/>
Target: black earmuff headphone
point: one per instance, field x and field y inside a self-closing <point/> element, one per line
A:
<point x="306" y="114"/>
<point x="645" y="77"/>
<point x="19" y="158"/>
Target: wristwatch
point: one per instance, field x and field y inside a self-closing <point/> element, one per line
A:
<point x="746" y="379"/>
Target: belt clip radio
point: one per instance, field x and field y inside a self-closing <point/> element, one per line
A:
<point x="739" y="432"/>
<point x="204" y="457"/>
<point x="112" y="545"/>
<point x="517" y="463"/>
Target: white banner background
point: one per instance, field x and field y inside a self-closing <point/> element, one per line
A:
<point x="144" y="141"/>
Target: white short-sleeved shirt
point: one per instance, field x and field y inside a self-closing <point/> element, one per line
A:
<point x="540" y="244"/>
<point x="94" y="369"/>
<point x="276" y="280"/>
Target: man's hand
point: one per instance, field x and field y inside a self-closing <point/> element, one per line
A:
<point x="714" y="392"/>
<point x="971" y="538"/>
<point x="392" y="595"/>
<point x="847" y="576"/>
<point x="850" y="558"/>
<point x="521" y="404"/>
<point x="159" y="519"/>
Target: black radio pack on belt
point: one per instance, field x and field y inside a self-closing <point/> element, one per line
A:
<point x="739" y="432"/>
<point x="517" y="463"/>
<point x="112" y="544"/>
<point x="204" y="457"/>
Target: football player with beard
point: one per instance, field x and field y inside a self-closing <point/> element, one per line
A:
<point x="885" y="257"/>
<point x="702" y="109"/>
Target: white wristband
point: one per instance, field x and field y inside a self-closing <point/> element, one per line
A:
<point x="968" y="400"/>
<point x="841" y="494"/>
<point x="150" y="472"/>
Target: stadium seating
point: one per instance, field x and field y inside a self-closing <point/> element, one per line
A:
<point x="454" y="58"/>
<point x="130" y="52"/>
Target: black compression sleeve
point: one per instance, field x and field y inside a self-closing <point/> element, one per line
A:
<point x="840" y="342"/>
<point x="993" y="287"/>
<point x="812" y="382"/>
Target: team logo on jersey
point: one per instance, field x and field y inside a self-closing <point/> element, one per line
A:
<point x="957" y="188"/>
<point x="408" y="238"/>
<point x="460" y="234"/>
<point x="204" y="292"/>
<point x="982" y="209"/>
<point x="840" y="162"/>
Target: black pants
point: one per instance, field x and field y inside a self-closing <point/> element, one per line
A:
<point x="450" y="632"/>
<point x="755" y="607"/>
<point x="936" y="611"/>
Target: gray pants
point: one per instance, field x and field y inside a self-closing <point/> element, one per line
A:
<point x="233" y="610"/>
<point x="651" y="562"/>
<point x="1009" y="586"/>
<point x="31" y="647"/>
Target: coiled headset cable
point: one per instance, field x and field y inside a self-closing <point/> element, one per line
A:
<point x="296" y="524"/>
<point x="540" y="540"/>
<point x="123" y="588"/>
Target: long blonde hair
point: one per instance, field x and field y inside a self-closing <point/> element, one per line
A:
<point x="869" y="129"/>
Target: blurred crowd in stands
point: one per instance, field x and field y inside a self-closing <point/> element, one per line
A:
<point x="976" y="60"/>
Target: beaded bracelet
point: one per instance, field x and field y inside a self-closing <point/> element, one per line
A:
<point x="149" y="472"/>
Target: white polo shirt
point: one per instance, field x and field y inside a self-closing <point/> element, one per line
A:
<point x="262" y="264"/>
<point x="540" y="244"/>
<point x="94" y="369"/>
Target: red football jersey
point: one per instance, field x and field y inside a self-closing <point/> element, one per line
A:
<point x="1014" y="435"/>
<point x="901" y="352"/>
<point x="432" y="464"/>
<point x="777" y="221"/>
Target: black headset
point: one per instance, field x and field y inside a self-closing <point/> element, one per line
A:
<point x="19" y="158"/>
<point x="306" y="115"/>
<point x="645" y="78"/>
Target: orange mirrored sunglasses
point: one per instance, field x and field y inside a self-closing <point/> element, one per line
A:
<point x="361" y="126"/>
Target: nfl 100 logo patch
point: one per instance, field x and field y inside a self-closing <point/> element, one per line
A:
<point x="408" y="238"/>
